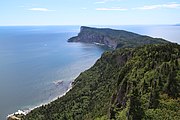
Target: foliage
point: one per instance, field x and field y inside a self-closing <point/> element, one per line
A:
<point x="153" y="72"/>
<point x="132" y="83"/>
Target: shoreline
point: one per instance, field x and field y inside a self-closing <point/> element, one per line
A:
<point x="25" y="112"/>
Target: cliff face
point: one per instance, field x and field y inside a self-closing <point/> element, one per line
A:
<point x="124" y="84"/>
<point x="90" y="35"/>
<point x="113" y="38"/>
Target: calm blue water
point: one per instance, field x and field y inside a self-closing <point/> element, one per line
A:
<point x="34" y="59"/>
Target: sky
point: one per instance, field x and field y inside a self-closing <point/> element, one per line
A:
<point x="89" y="12"/>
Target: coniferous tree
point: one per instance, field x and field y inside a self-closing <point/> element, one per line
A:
<point x="154" y="99"/>
<point x="135" y="112"/>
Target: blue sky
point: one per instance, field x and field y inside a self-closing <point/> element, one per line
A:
<point x="89" y="12"/>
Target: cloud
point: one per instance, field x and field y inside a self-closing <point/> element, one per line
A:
<point x="150" y="7"/>
<point x="40" y="9"/>
<point x="111" y="9"/>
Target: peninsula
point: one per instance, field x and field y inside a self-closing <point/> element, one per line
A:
<point x="113" y="38"/>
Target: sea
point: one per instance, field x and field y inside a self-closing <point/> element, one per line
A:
<point x="37" y="64"/>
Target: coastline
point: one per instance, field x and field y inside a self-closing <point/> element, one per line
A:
<point x="25" y="112"/>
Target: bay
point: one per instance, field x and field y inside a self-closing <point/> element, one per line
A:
<point x="37" y="64"/>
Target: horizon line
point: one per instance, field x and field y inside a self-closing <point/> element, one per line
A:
<point x="88" y="25"/>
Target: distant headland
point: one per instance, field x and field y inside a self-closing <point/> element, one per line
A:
<point x="113" y="38"/>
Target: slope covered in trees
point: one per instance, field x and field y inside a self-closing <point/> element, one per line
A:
<point x="132" y="83"/>
<point x="149" y="85"/>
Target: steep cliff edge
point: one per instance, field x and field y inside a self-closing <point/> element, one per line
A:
<point x="113" y="38"/>
<point x="124" y="84"/>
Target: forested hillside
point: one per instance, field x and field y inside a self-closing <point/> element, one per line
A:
<point x="132" y="83"/>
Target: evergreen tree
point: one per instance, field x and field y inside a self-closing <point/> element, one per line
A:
<point x="135" y="110"/>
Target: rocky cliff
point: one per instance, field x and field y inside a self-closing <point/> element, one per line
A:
<point x="113" y="38"/>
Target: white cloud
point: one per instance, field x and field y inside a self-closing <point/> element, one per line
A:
<point x="150" y="7"/>
<point x="111" y="9"/>
<point x="40" y="9"/>
<point x="173" y="5"/>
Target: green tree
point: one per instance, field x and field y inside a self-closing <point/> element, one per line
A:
<point x="135" y="112"/>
